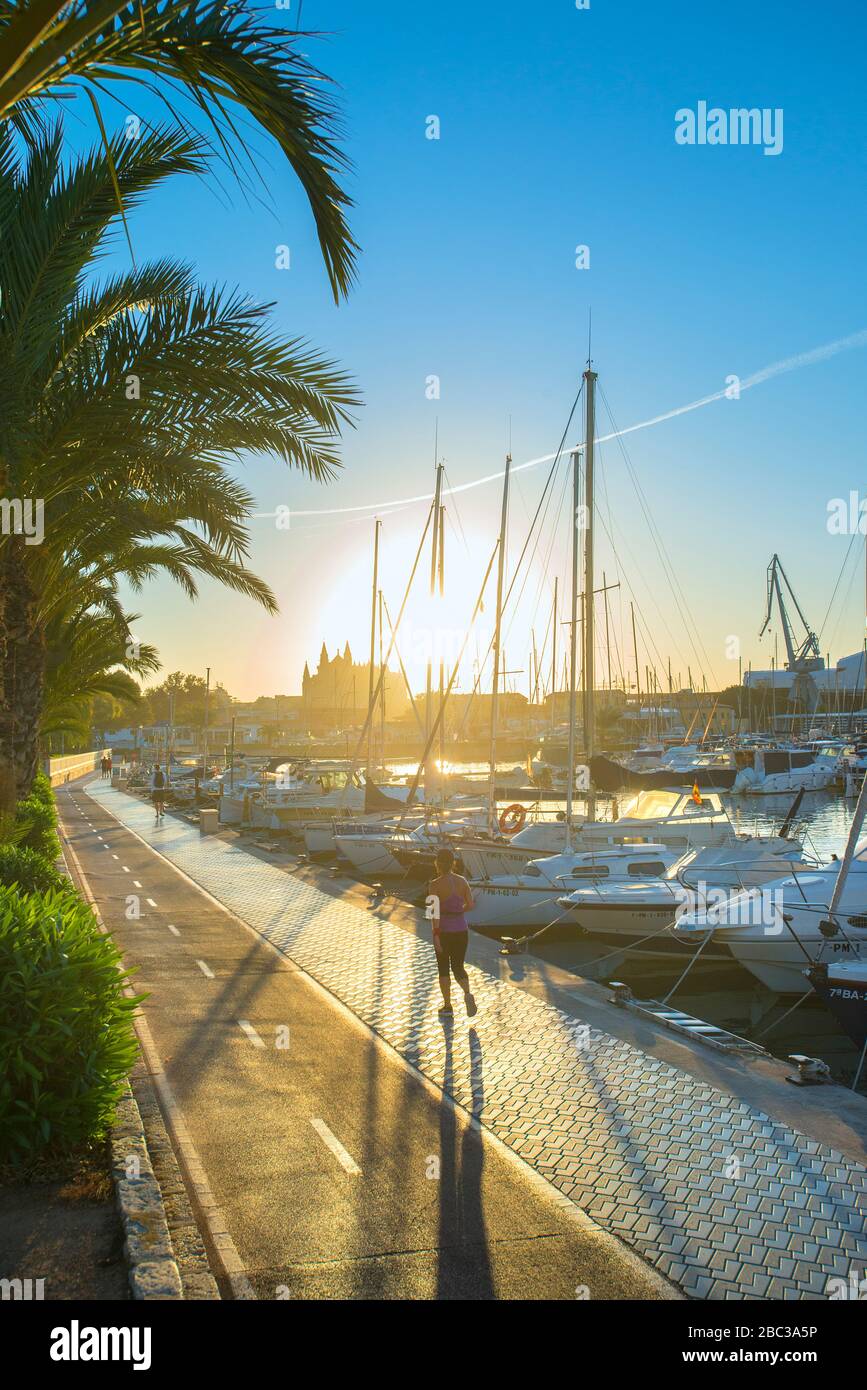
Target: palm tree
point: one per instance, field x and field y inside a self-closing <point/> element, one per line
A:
<point x="124" y="402"/>
<point x="225" y="59"/>
<point x="90" y="653"/>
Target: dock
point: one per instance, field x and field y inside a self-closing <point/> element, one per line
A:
<point x="722" y="1177"/>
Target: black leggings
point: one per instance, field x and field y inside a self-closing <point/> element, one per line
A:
<point x="450" y="952"/>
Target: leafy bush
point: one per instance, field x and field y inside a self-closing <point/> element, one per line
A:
<point x="36" y="820"/>
<point x="41" y="788"/>
<point x="31" y="871"/>
<point x="66" y="1034"/>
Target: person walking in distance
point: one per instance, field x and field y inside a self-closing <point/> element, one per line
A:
<point x="449" y="897"/>
<point x="158" y="790"/>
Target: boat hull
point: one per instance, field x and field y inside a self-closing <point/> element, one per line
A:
<point x="779" y="965"/>
<point x="845" y="998"/>
<point x="369" y="854"/>
<point x="610" y="776"/>
<point x="500" y="909"/>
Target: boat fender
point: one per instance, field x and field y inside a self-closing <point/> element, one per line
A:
<point x="513" y="818"/>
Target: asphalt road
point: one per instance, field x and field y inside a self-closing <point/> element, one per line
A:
<point x="339" y="1173"/>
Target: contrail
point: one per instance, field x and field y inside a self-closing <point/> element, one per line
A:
<point x="788" y="364"/>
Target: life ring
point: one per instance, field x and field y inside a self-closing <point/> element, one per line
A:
<point x="513" y="818"/>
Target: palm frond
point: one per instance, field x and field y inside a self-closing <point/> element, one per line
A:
<point x="226" y="58"/>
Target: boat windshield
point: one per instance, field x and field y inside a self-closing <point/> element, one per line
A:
<point x="661" y="805"/>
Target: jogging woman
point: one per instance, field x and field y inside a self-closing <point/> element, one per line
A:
<point x="451" y="899"/>
<point x="158" y="791"/>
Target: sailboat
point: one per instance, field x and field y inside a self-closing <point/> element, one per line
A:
<point x="819" y="918"/>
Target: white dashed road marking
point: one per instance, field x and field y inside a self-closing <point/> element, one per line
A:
<point x="150" y="902"/>
<point x="343" y="1158"/>
<point x="174" y="931"/>
<point x="205" y="969"/>
<point x="250" y="1032"/>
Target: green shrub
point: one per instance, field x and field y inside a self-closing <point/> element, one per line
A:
<point x="36" y="821"/>
<point x="66" y="1033"/>
<point x="41" y="789"/>
<point x="31" y="871"/>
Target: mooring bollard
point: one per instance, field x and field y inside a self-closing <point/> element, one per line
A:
<point x="209" y="821"/>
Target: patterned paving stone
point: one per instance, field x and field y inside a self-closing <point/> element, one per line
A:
<point x="644" y="1148"/>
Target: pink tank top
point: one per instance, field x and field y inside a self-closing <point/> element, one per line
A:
<point x="452" y="913"/>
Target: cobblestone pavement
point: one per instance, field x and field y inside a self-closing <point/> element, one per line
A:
<point x="717" y="1196"/>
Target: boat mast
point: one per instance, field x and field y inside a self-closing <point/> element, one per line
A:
<point x="376" y="526"/>
<point x="849" y="852"/>
<point x="607" y="637"/>
<point x="637" y="675"/>
<point x="495" y="687"/>
<point x="589" y="636"/>
<point x="534" y="669"/>
<point x="434" y="559"/>
<point x="573" y="643"/>
<point x="554" y="661"/>
<point x="381" y="691"/>
<point x="441" y="561"/>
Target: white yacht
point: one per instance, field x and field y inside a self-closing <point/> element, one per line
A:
<point x="671" y="818"/>
<point x="293" y="794"/>
<point x="379" y="849"/>
<point x="775" y="770"/>
<point x="799" y="931"/>
<point x="626" y="912"/>
<point x="320" y="835"/>
<point x="842" y="987"/>
<point x="529" y="899"/>
<point x="367" y="847"/>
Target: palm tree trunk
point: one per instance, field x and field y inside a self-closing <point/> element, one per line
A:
<point x="7" y="770"/>
<point x="22" y="645"/>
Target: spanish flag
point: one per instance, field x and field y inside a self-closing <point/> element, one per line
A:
<point x="696" y="794"/>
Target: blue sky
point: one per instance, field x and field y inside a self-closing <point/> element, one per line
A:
<point x="557" y="129"/>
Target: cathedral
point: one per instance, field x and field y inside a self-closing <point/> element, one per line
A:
<point x="340" y="685"/>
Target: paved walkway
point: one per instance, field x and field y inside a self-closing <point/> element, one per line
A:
<point x="716" y="1195"/>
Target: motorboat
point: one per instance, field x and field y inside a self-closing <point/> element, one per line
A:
<point x="320" y="835"/>
<point x="842" y="987"/>
<point x="676" y="819"/>
<point x="853" y="765"/>
<point x="529" y="899"/>
<point x="641" y="914"/>
<point x="775" y="770"/>
<point x="405" y="845"/>
<point x="800" y="932"/>
<point x="366" y="847"/>
<point x="708" y="769"/>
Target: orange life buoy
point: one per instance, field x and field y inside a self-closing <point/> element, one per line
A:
<point x="512" y="819"/>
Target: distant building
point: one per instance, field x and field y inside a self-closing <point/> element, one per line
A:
<point x="848" y="674"/>
<point x="339" y="689"/>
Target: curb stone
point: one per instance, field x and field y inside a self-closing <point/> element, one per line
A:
<point x="153" y="1271"/>
<point x="191" y="1255"/>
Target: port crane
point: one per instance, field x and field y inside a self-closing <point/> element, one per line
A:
<point x="803" y="659"/>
